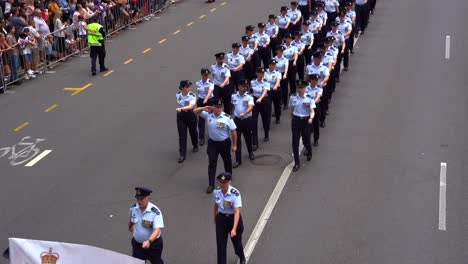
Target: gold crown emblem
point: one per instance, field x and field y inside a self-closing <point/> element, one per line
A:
<point x="223" y="178"/>
<point x="138" y="192"/>
<point x="49" y="257"/>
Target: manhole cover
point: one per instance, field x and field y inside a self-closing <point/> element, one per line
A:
<point x="267" y="160"/>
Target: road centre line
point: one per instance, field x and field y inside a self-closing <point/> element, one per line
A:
<point x="146" y="50"/>
<point x="447" y="47"/>
<point x="177" y="32"/>
<point x="443" y="197"/>
<point x="274" y="197"/>
<point x="213" y="9"/>
<point x="38" y="158"/>
<point x="189" y="24"/>
<point x="52" y="107"/>
<point x="162" y="41"/>
<point x="128" y="61"/>
<point x="202" y="16"/>
<point x="108" y="73"/>
<point x="21" y="126"/>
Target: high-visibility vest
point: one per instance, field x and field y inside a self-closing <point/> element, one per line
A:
<point x="94" y="36"/>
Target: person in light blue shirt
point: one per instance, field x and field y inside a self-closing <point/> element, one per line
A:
<point x="315" y="26"/>
<point x="300" y="46"/>
<point x="362" y="15"/>
<point x="308" y="39"/>
<point x="284" y="21"/>
<point x="295" y="14"/>
<point x="264" y="51"/>
<point x="273" y="77"/>
<point x="243" y="104"/>
<point x="272" y="30"/>
<point x="205" y="89"/>
<point x="260" y="88"/>
<point x="247" y="53"/>
<point x="346" y="29"/>
<point x="302" y="114"/>
<point x="305" y="6"/>
<point x="291" y="53"/>
<point x="253" y="44"/>
<point x="221" y="76"/>
<point x="282" y="65"/>
<point x="221" y="128"/>
<point x="316" y="67"/>
<point x="332" y="7"/>
<point x="351" y="16"/>
<point x="340" y="44"/>
<point x="186" y="119"/>
<point x="236" y="62"/>
<point x="228" y="218"/>
<point x="145" y="224"/>
<point x="315" y="91"/>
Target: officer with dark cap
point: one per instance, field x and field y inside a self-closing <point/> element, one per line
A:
<point x="305" y="6"/>
<point x="253" y="44"/>
<point x="186" y="119"/>
<point x="282" y="65"/>
<point x="284" y="21"/>
<point x="221" y="128"/>
<point x="300" y="46"/>
<point x="228" y="218"/>
<point x="291" y="53"/>
<point x="315" y="91"/>
<point x="205" y="89"/>
<point x="96" y="38"/>
<point x="273" y="77"/>
<point x="247" y="53"/>
<point x="307" y="38"/>
<point x="221" y="76"/>
<point x="263" y="39"/>
<point x="243" y="104"/>
<point x="272" y="30"/>
<point x="302" y="115"/>
<point x="236" y="62"/>
<point x="146" y="222"/>
<point x="296" y="17"/>
<point x="260" y="88"/>
<point x="339" y="43"/>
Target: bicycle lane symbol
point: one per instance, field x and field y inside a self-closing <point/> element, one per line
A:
<point x="24" y="151"/>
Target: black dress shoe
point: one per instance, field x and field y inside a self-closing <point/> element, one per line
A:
<point x="296" y="167"/>
<point x="103" y="69"/>
<point x="322" y="124"/>
<point x="277" y="121"/>
<point x="237" y="164"/>
<point x="309" y="157"/>
<point x="346" y="69"/>
<point x="315" y="143"/>
<point x="306" y="152"/>
<point x="352" y="51"/>
<point x="181" y="159"/>
<point x="285" y="107"/>
<point x="242" y="261"/>
<point x="251" y="156"/>
<point x="201" y="141"/>
<point x="195" y="149"/>
<point x="337" y="80"/>
<point x="210" y="189"/>
<point x="254" y="147"/>
<point x="93" y="73"/>
<point x="266" y="139"/>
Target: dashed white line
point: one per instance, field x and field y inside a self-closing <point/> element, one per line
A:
<point x="442" y="197"/>
<point x="38" y="158"/>
<point x="447" y="47"/>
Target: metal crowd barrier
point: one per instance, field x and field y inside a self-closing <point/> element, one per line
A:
<point x="21" y="63"/>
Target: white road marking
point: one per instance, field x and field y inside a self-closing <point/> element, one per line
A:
<point x="447" y="47"/>
<point x="274" y="197"/>
<point x="38" y="158"/>
<point x="442" y="196"/>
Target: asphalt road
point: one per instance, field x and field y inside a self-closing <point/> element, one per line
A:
<point x="370" y="194"/>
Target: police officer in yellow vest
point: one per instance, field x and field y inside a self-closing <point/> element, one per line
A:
<point x="96" y="42"/>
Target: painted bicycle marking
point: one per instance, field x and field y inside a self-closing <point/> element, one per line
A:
<point x="22" y="152"/>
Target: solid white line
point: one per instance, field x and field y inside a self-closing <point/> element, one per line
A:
<point x="38" y="158"/>
<point x="274" y="197"/>
<point x="442" y="196"/>
<point x="265" y="216"/>
<point x="447" y="47"/>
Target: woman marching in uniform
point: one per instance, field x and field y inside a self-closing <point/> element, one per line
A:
<point x="290" y="52"/>
<point x="315" y="91"/>
<point x="260" y="89"/>
<point x="247" y="53"/>
<point x="205" y="89"/>
<point x="283" y="23"/>
<point x="186" y="119"/>
<point x="273" y="77"/>
<point x="282" y="65"/>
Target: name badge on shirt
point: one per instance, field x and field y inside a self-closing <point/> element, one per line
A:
<point x="207" y="88"/>
<point x="227" y="204"/>
<point x="237" y="60"/>
<point x="146" y="223"/>
<point x="186" y="103"/>
<point x="246" y="102"/>
<point x="219" y="124"/>
<point x="306" y="105"/>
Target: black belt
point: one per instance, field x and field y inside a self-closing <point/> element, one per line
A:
<point x="226" y="215"/>
<point x="222" y="141"/>
<point x="246" y="118"/>
<point x="301" y="118"/>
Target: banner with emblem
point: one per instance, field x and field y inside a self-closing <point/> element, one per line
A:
<point x="49" y="252"/>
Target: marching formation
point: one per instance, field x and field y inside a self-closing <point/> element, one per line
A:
<point x="292" y="63"/>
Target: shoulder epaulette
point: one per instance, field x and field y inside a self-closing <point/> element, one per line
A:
<point x="192" y="94"/>
<point x="179" y="92"/>
<point x="294" y="94"/>
<point x="155" y="210"/>
<point x="218" y="188"/>
<point x="235" y="191"/>
<point x="133" y="205"/>
<point x="308" y="95"/>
